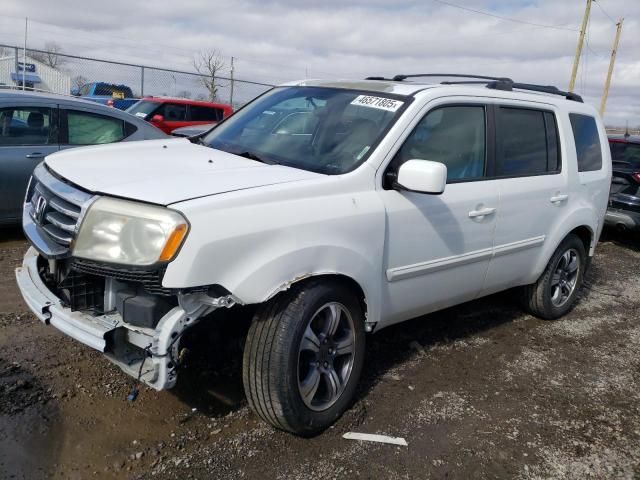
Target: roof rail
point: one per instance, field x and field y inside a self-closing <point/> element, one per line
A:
<point x="495" y="83"/>
<point x="399" y="78"/>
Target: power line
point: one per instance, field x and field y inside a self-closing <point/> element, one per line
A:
<point x="605" y="12"/>
<point x="500" y="17"/>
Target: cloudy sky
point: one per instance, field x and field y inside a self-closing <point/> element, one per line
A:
<point x="280" y="40"/>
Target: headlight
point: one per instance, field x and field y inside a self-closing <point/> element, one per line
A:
<point x="129" y="233"/>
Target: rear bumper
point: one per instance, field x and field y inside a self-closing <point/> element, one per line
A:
<point x="622" y="219"/>
<point x="121" y="343"/>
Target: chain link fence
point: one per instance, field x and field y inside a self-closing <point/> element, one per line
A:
<point x="66" y="74"/>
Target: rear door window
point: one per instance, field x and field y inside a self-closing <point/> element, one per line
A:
<point x="26" y="126"/>
<point x="587" y="139"/>
<point x="85" y="128"/>
<point x="527" y="142"/>
<point x="205" y="114"/>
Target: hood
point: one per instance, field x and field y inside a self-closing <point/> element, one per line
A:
<point x="166" y="171"/>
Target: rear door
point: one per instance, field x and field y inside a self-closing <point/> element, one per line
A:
<point x="534" y="190"/>
<point x="28" y="132"/>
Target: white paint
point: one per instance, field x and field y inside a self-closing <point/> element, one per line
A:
<point x="369" y="437"/>
<point x="255" y="229"/>
<point x="423" y="176"/>
<point x="166" y="171"/>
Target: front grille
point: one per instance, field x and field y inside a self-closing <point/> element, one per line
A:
<point x="55" y="206"/>
<point x="150" y="279"/>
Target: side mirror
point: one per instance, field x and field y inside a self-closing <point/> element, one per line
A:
<point x="422" y="176"/>
<point x="157" y="119"/>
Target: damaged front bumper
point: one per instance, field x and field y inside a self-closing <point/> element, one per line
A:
<point x="147" y="353"/>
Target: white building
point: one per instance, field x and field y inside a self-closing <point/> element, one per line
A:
<point x="36" y="75"/>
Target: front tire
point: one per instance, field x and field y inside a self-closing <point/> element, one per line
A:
<point x="303" y="357"/>
<point x="556" y="291"/>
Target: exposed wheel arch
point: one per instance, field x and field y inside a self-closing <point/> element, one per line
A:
<point x="586" y="235"/>
<point x="345" y="280"/>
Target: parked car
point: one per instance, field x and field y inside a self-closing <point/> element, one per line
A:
<point x="384" y="201"/>
<point x="170" y="113"/>
<point x="33" y="125"/>
<point x="193" y="130"/>
<point x="624" y="200"/>
<point x="112" y="95"/>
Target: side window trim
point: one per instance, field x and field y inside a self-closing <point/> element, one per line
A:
<point x="497" y="144"/>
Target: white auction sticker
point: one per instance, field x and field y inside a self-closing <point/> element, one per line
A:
<point x="381" y="103"/>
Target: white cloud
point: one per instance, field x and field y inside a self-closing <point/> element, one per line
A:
<point x="280" y="40"/>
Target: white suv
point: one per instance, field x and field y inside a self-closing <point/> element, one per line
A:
<point x="336" y="208"/>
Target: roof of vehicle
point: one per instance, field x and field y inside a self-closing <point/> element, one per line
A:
<point x="619" y="138"/>
<point x="411" y="86"/>
<point x="17" y="95"/>
<point x="187" y="101"/>
<point x="11" y="93"/>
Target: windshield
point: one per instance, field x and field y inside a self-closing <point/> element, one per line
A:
<point x="325" y="130"/>
<point x="143" y="109"/>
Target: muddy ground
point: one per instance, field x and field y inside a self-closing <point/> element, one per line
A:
<point x="478" y="391"/>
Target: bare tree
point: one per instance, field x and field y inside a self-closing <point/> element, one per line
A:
<point x="78" y="82"/>
<point x="201" y="96"/>
<point x="209" y="63"/>
<point x="183" y="94"/>
<point x="51" y="56"/>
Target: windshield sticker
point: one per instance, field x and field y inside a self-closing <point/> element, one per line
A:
<point x="363" y="152"/>
<point x="380" y="103"/>
<point x="141" y="114"/>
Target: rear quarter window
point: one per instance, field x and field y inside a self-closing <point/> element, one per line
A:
<point x="587" y="140"/>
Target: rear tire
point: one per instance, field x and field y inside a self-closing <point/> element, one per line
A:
<point x="303" y="357"/>
<point x="556" y="291"/>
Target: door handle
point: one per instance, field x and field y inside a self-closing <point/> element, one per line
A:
<point x="34" y="155"/>
<point x="482" y="212"/>
<point x="558" y="198"/>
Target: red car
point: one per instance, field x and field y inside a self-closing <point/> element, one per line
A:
<point x="170" y="113"/>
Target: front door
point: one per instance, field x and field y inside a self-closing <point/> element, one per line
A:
<point x="27" y="134"/>
<point x="438" y="247"/>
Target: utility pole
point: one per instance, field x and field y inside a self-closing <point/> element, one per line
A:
<point x="576" y="60"/>
<point x="24" y="54"/>
<point x="612" y="62"/>
<point x="231" y="94"/>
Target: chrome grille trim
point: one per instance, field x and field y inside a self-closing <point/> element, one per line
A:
<point x="58" y="234"/>
<point x="63" y="222"/>
<point x="65" y="207"/>
<point x="53" y="212"/>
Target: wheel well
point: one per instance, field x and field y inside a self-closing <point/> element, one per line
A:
<point x="348" y="282"/>
<point x="585" y="234"/>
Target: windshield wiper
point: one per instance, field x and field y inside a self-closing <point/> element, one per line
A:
<point x="253" y="156"/>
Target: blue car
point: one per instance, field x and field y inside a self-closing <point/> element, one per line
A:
<point x="33" y="125"/>
<point x="118" y="96"/>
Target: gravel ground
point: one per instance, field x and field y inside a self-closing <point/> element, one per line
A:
<point x="477" y="391"/>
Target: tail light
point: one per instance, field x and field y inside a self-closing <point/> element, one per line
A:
<point x="636" y="176"/>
